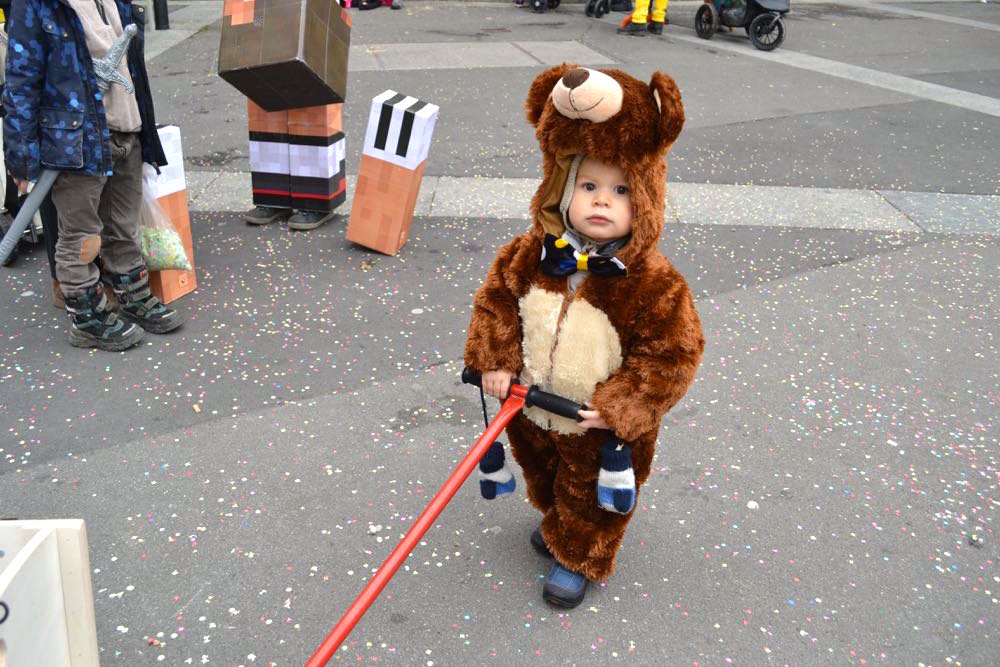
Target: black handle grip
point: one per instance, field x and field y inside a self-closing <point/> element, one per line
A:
<point x="552" y="403"/>
<point x="535" y="397"/>
<point x="470" y="376"/>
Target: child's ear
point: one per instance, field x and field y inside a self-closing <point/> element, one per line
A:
<point x="668" y="101"/>
<point x="541" y="88"/>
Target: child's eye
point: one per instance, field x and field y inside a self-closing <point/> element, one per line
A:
<point x="589" y="187"/>
<point x="621" y="189"/>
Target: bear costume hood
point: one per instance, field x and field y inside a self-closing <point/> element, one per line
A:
<point x="614" y="118"/>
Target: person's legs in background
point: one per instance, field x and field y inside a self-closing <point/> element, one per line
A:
<point x="317" y="164"/>
<point x="50" y="230"/>
<point x="659" y="17"/>
<point x="637" y="24"/>
<point x="268" y="165"/>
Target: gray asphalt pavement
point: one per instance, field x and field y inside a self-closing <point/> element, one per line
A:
<point x="826" y="494"/>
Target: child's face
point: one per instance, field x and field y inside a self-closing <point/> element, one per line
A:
<point x="601" y="207"/>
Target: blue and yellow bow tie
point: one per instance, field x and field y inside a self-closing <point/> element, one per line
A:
<point x="559" y="258"/>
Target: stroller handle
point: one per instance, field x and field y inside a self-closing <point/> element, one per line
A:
<point x="535" y="397"/>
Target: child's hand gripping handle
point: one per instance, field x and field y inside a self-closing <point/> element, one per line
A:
<point x="535" y="397"/>
<point x="554" y="404"/>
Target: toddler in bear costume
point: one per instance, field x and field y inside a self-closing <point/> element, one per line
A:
<point x="585" y="306"/>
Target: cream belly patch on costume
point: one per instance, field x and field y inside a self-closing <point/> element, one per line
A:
<point x="567" y="358"/>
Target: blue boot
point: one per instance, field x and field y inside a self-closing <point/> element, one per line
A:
<point x="563" y="587"/>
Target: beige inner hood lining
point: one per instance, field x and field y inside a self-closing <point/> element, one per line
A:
<point x="549" y="215"/>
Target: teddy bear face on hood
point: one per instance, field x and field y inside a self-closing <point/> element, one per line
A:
<point x="616" y="119"/>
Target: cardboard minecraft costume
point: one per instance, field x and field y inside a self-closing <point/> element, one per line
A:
<point x="397" y="142"/>
<point x="289" y="57"/>
<point x="298" y="158"/>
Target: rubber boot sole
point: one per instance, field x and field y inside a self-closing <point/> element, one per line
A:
<point x="152" y="326"/>
<point x="79" y="339"/>
<point x="562" y="598"/>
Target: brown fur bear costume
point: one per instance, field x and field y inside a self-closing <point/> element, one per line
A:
<point x="629" y="345"/>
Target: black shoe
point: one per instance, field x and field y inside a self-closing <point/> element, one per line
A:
<point x="655" y="27"/>
<point x="306" y="220"/>
<point x="265" y="215"/>
<point x="564" y="587"/>
<point x="138" y="304"/>
<point x="538" y="542"/>
<point x="94" y="324"/>
<point x="634" y="29"/>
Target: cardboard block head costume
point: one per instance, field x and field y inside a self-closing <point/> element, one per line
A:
<point x="289" y="57"/>
<point x="612" y="325"/>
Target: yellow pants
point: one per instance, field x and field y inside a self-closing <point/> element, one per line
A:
<point x="642" y="10"/>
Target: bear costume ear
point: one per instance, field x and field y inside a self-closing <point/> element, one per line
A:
<point x="668" y="100"/>
<point x="541" y="88"/>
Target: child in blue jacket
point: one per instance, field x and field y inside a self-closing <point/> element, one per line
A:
<point x="58" y="117"/>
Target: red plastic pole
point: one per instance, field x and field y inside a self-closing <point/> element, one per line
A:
<point x="513" y="405"/>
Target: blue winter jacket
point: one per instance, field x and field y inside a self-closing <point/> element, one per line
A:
<point x="54" y="110"/>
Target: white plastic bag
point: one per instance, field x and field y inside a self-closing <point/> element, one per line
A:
<point x="162" y="247"/>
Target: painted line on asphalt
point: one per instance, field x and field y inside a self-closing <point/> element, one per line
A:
<point x="160" y="41"/>
<point x="185" y="21"/>
<point x="687" y="203"/>
<point x="903" y="11"/>
<point x="469" y="55"/>
<point x="900" y="84"/>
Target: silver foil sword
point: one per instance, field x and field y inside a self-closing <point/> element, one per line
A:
<point x="106" y="68"/>
<point x="107" y="73"/>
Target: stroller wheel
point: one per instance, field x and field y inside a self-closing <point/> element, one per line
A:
<point x="765" y="36"/>
<point x="706" y="21"/>
<point x="538" y="6"/>
<point x="553" y="4"/>
<point x="603" y="7"/>
<point x="589" y="10"/>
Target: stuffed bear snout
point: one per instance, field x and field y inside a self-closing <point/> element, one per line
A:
<point x="587" y="94"/>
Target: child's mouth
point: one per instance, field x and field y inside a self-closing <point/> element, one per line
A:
<point x="599" y="220"/>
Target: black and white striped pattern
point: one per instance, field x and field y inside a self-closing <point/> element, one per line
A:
<point x="400" y="128"/>
<point x="296" y="171"/>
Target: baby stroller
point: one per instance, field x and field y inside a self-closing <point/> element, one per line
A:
<point x="539" y="6"/>
<point x="762" y="20"/>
